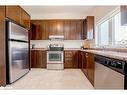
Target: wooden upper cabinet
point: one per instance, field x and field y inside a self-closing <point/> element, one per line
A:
<point x="89" y="27"/>
<point x="60" y="27"/>
<point x="70" y="29"/>
<point x="79" y="29"/>
<point x="25" y="19"/>
<point x="67" y="29"/>
<point x="2" y="12"/>
<point x="39" y="30"/>
<point x="73" y="29"/>
<point x="52" y="26"/>
<point x="56" y="27"/>
<point x="17" y="14"/>
<point x="14" y="13"/>
<point x="123" y="10"/>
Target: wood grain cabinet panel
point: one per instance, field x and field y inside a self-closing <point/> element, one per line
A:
<point x="67" y="29"/>
<point x="19" y="15"/>
<point x="25" y="19"/>
<point x="14" y="13"/>
<point x="71" y="59"/>
<point x="89" y="27"/>
<point x="52" y="26"/>
<point x="88" y="65"/>
<point x="60" y="27"/>
<point x="2" y="13"/>
<point x="39" y="30"/>
<point x="71" y="29"/>
<point x="38" y="59"/>
<point x="2" y="47"/>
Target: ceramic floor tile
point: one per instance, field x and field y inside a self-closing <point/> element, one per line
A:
<point x="53" y="79"/>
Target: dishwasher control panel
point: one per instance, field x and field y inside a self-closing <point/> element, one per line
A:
<point x="115" y="64"/>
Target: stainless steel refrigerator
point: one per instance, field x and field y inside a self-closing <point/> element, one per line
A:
<point x="17" y="52"/>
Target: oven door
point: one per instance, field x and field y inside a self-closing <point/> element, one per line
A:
<point x="54" y="56"/>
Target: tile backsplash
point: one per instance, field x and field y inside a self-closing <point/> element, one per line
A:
<point x="67" y="43"/>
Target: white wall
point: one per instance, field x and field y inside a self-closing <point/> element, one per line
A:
<point x="67" y="43"/>
<point x="101" y="11"/>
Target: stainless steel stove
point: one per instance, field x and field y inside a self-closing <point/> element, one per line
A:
<point x="55" y="57"/>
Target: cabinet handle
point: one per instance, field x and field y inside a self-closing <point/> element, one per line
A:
<point x="86" y="54"/>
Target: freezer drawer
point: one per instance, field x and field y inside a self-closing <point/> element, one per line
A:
<point x="18" y="60"/>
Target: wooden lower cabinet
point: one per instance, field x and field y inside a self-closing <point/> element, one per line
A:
<point x="38" y="59"/>
<point x="88" y="65"/>
<point x="71" y="59"/>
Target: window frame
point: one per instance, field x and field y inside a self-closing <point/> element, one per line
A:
<point x="111" y="29"/>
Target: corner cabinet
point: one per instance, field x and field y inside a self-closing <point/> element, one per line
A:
<point x="88" y="28"/>
<point x="19" y="15"/>
<point x="25" y="19"/>
<point x="123" y="10"/>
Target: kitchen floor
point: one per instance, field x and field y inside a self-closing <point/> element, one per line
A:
<point x="53" y="79"/>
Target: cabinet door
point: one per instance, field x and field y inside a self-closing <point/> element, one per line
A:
<point x="2" y="13"/>
<point x="38" y="59"/>
<point x="60" y="27"/>
<point x="90" y="27"/>
<point x="123" y="10"/>
<point x="44" y="59"/>
<point x="80" y="59"/>
<point x="14" y="13"/>
<point x="67" y="30"/>
<point x="79" y="29"/>
<point x="84" y="63"/>
<point x="39" y="30"/>
<point x="52" y="27"/>
<point x="75" y="59"/>
<point x="73" y="30"/>
<point x="25" y="19"/>
<point x="33" y="58"/>
<point x="84" y="30"/>
<point x="2" y="51"/>
<point x="90" y="67"/>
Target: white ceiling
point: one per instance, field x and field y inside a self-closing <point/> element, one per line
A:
<point x="58" y="12"/>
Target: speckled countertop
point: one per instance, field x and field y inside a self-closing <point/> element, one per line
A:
<point x="64" y="49"/>
<point x="112" y="54"/>
<point x="38" y="49"/>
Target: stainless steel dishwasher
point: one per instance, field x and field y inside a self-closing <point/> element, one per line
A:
<point x="110" y="73"/>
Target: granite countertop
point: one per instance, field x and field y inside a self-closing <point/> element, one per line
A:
<point x="112" y="54"/>
<point x="71" y="48"/>
<point x="64" y="49"/>
<point x="38" y="49"/>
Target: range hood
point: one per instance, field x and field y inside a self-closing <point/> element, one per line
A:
<point x="56" y="37"/>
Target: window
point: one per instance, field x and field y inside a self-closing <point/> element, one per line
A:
<point x="120" y="32"/>
<point x="104" y="33"/>
<point x="110" y="32"/>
